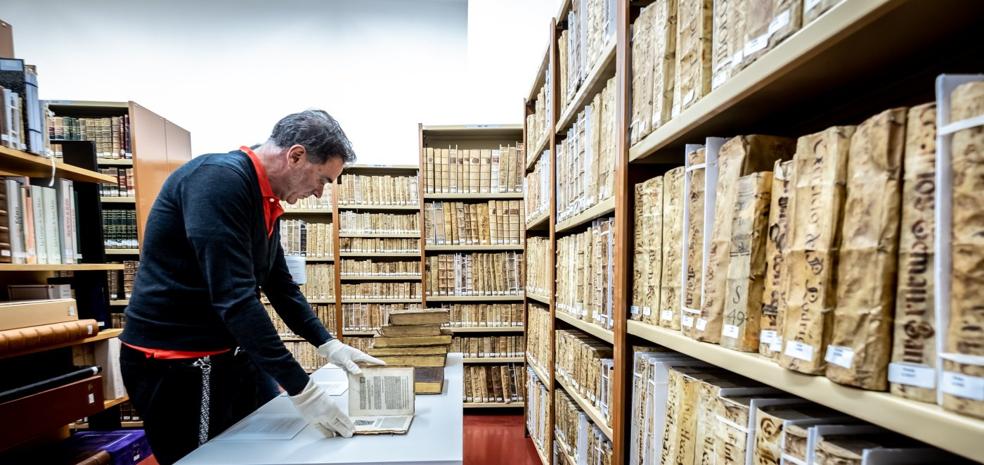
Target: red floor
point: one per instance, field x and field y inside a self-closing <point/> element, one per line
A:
<point x="489" y="440"/>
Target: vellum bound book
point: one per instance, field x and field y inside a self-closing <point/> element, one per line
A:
<point x="773" y="292"/>
<point x="669" y="291"/>
<point x="381" y="400"/>
<point x="694" y="199"/>
<point x="648" y="259"/>
<point x="912" y="372"/>
<point x="814" y="234"/>
<point x="861" y="340"/>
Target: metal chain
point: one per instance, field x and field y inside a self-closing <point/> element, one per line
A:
<point x="205" y="363"/>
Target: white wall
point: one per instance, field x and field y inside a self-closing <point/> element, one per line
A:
<point x="227" y="70"/>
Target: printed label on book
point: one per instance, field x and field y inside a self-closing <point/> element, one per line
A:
<point x="779" y="22"/>
<point x="768" y="336"/>
<point x="701" y="324"/>
<point x="646" y="311"/>
<point x="718" y="79"/>
<point x="799" y="350"/>
<point x="840" y="355"/>
<point x="912" y="375"/>
<point x="730" y="331"/>
<point x="666" y="315"/>
<point x="687" y="321"/>
<point x="961" y="385"/>
<point x="634" y="310"/>
<point x="810" y="4"/>
<point x="756" y="44"/>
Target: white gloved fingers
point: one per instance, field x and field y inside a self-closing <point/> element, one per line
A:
<point x="352" y="368"/>
<point x="366" y="358"/>
<point x="344" y="426"/>
<point x="327" y="432"/>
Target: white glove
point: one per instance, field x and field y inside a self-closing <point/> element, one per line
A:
<point x="316" y="406"/>
<point x="347" y="357"/>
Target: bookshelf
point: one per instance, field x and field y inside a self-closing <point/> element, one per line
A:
<point x="31" y="165"/>
<point x="486" y="329"/>
<point x="888" y="54"/>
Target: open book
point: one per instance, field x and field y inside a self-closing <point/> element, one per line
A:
<point x="381" y="401"/>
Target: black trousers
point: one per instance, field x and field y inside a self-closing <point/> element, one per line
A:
<point x="168" y="396"/>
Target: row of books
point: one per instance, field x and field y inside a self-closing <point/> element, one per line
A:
<point x="127" y="413"/>
<point x="576" y="438"/>
<point x="478" y="274"/>
<point x="586" y="274"/>
<point x="378" y="244"/>
<point x="415" y="338"/>
<point x="494" y="222"/>
<point x="307" y="239"/>
<point x="367" y="317"/>
<point x="538" y="122"/>
<point x="682" y="50"/>
<point x="38" y="224"/>
<point x="119" y="228"/>
<point x="380" y="268"/>
<point x="378" y="223"/>
<point x="538" y="266"/>
<point x="586" y="157"/>
<point x="324" y="312"/>
<point x="538" y="328"/>
<point x="684" y="411"/>
<point x="110" y="134"/>
<point x="454" y="170"/>
<point x="586" y="363"/>
<point x="31" y="324"/>
<point x="387" y="290"/>
<point x="117" y="320"/>
<point x="357" y="189"/>
<point x="536" y="195"/>
<point x="361" y="343"/>
<point x="485" y="315"/>
<point x="311" y="203"/>
<point x="590" y="31"/>
<point x="306" y="354"/>
<point x="22" y="119"/>
<point x="494" y="383"/>
<point x="320" y="282"/>
<point x="120" y="282"/>
<point x="537" y="409"/>
<point x="125" y="185"/>
<point x="489" y="346"/>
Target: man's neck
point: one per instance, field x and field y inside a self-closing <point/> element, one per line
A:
<point x="273" y="162"/>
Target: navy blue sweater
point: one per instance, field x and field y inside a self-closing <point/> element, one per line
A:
<point x="206" y="252"/>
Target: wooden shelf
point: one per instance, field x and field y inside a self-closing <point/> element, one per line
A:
<point x="122" y="251"/>
<point x="103" y="335"/>
<point x="119" y="302"/>
<point x="132" y="424"/>
<point x="318" y="260"/>
<point x="75" y="267"/>
<point x="123" y="200"/>
<point x="471" y="131"/>
<point x="468" y="405"/>
<point x="485" y="329"/>
<point x="926" y="422"/>
<point x="307" y="211"/>
<point x="359" y="332"/>
<point x="474" y="196"/>
<point x="353" y="300"/>
<point x="114" y="402"/>
<point x="380" y="207"/>
<point x="114" y="161"/>
<point x="35" y="166"/>
<point x="328" y="301"/>
<point x="594" y="83"/>
<point x="540" y="372"/>
<point x="593" y="413"/>
<point x="380" y="235"/>
<point x="538" y="222"/>
<point x="473" y="247"/>
<point x="864" y="38"/>
<point x="539" y="453"/>
<point x="380" y="255"/>
<point x="604" y="208"/>
<point x="379" y="170"/>
<point x="475" y="298"/>
<point x="590" y="328"/>
<point x="380" y="278"/>
<point x="539" y="298"/>
<point x="487" y="360"/>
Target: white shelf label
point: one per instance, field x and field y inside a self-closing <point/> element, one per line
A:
<point x="666" y="315"/>
<point x="730" y="331"/>
<point x="718" y="79"/>
<point x="961" y="385"/>
<point x="799" y="350"/>
<point x="634" y="309"/>
<point x="647" y="311"/>
<point x="912" y="375"/>
<point x="701" y="324"/>
<point x="686" y="321"/>
<point x="810" y="4"/>
<point x="92" y="398"/>
<point x="779" y="22"/>
<point x="776" y="345"/>
<point x="840" y="356"/>
<point x="756" y="44"/>
<point x="767" y="336"/>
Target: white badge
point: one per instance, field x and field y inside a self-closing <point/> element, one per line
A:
<point x="295" y="265"/>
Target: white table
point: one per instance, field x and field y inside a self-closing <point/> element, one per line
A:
<point x="435" y="436"/>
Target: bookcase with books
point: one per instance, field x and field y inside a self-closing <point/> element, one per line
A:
<point x="472" y="243"/>
<point x="688" y="249"/>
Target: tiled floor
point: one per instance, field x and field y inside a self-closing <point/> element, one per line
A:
<point x="490" y="439"/>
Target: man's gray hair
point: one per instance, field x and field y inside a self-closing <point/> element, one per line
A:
<point x="319" y="133"/>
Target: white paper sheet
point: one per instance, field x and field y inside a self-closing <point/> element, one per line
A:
<point x="265" y="427"/>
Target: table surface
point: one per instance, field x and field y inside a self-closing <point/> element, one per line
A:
<point x="435" y="436"/>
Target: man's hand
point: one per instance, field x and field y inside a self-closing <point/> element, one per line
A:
<point x="316" y="406"/>
<point x="347" y="357"/>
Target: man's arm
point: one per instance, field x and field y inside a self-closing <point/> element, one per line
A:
<point x="216" y="204"/>
<point x="291" y="304"/>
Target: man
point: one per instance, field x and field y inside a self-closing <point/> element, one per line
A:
<point x="199" y="349"/>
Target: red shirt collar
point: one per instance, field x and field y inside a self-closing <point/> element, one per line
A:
<point x="271" y="203"/>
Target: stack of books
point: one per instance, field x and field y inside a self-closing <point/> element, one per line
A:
<point x="414" y="338"/>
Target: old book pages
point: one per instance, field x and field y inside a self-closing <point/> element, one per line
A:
<point x="663" y="54"/>
<point x="381" y="401"/>
<point x="963" y="367"/>
<point x="766" y="23"/>
<point x="694" y="197"/>
<point x="770" y="424"/>
<point x="814" y="234"/>
<point x="693" y="54"/>
<point x="743" y="304"/>
<point x="912" y="372"/>
<point x="773" y="292"/>
<point x="739" y="156"/>
<point x="727" y="36"/>
<point x="642" y="75"/>
<point x="647" y="258"/>
<point x="861" y="344"/>
<point x="669" y="290"/>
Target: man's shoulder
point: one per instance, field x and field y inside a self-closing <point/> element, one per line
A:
<point x="235" y="164"/>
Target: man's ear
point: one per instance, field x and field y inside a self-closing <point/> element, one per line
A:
<point x="295" y="153"/>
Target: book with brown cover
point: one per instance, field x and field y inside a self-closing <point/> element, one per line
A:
<point x="410" y="330"/>
<point x="411" y="341"/>
<point x="428" y="380"/>
<point x="414" y="360"/>
<point x="422" y="350"/>
<point x="23" y="339"/>
<point x="419" y="317"/>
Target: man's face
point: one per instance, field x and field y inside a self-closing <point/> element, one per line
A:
<point x="305" y="178"/>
